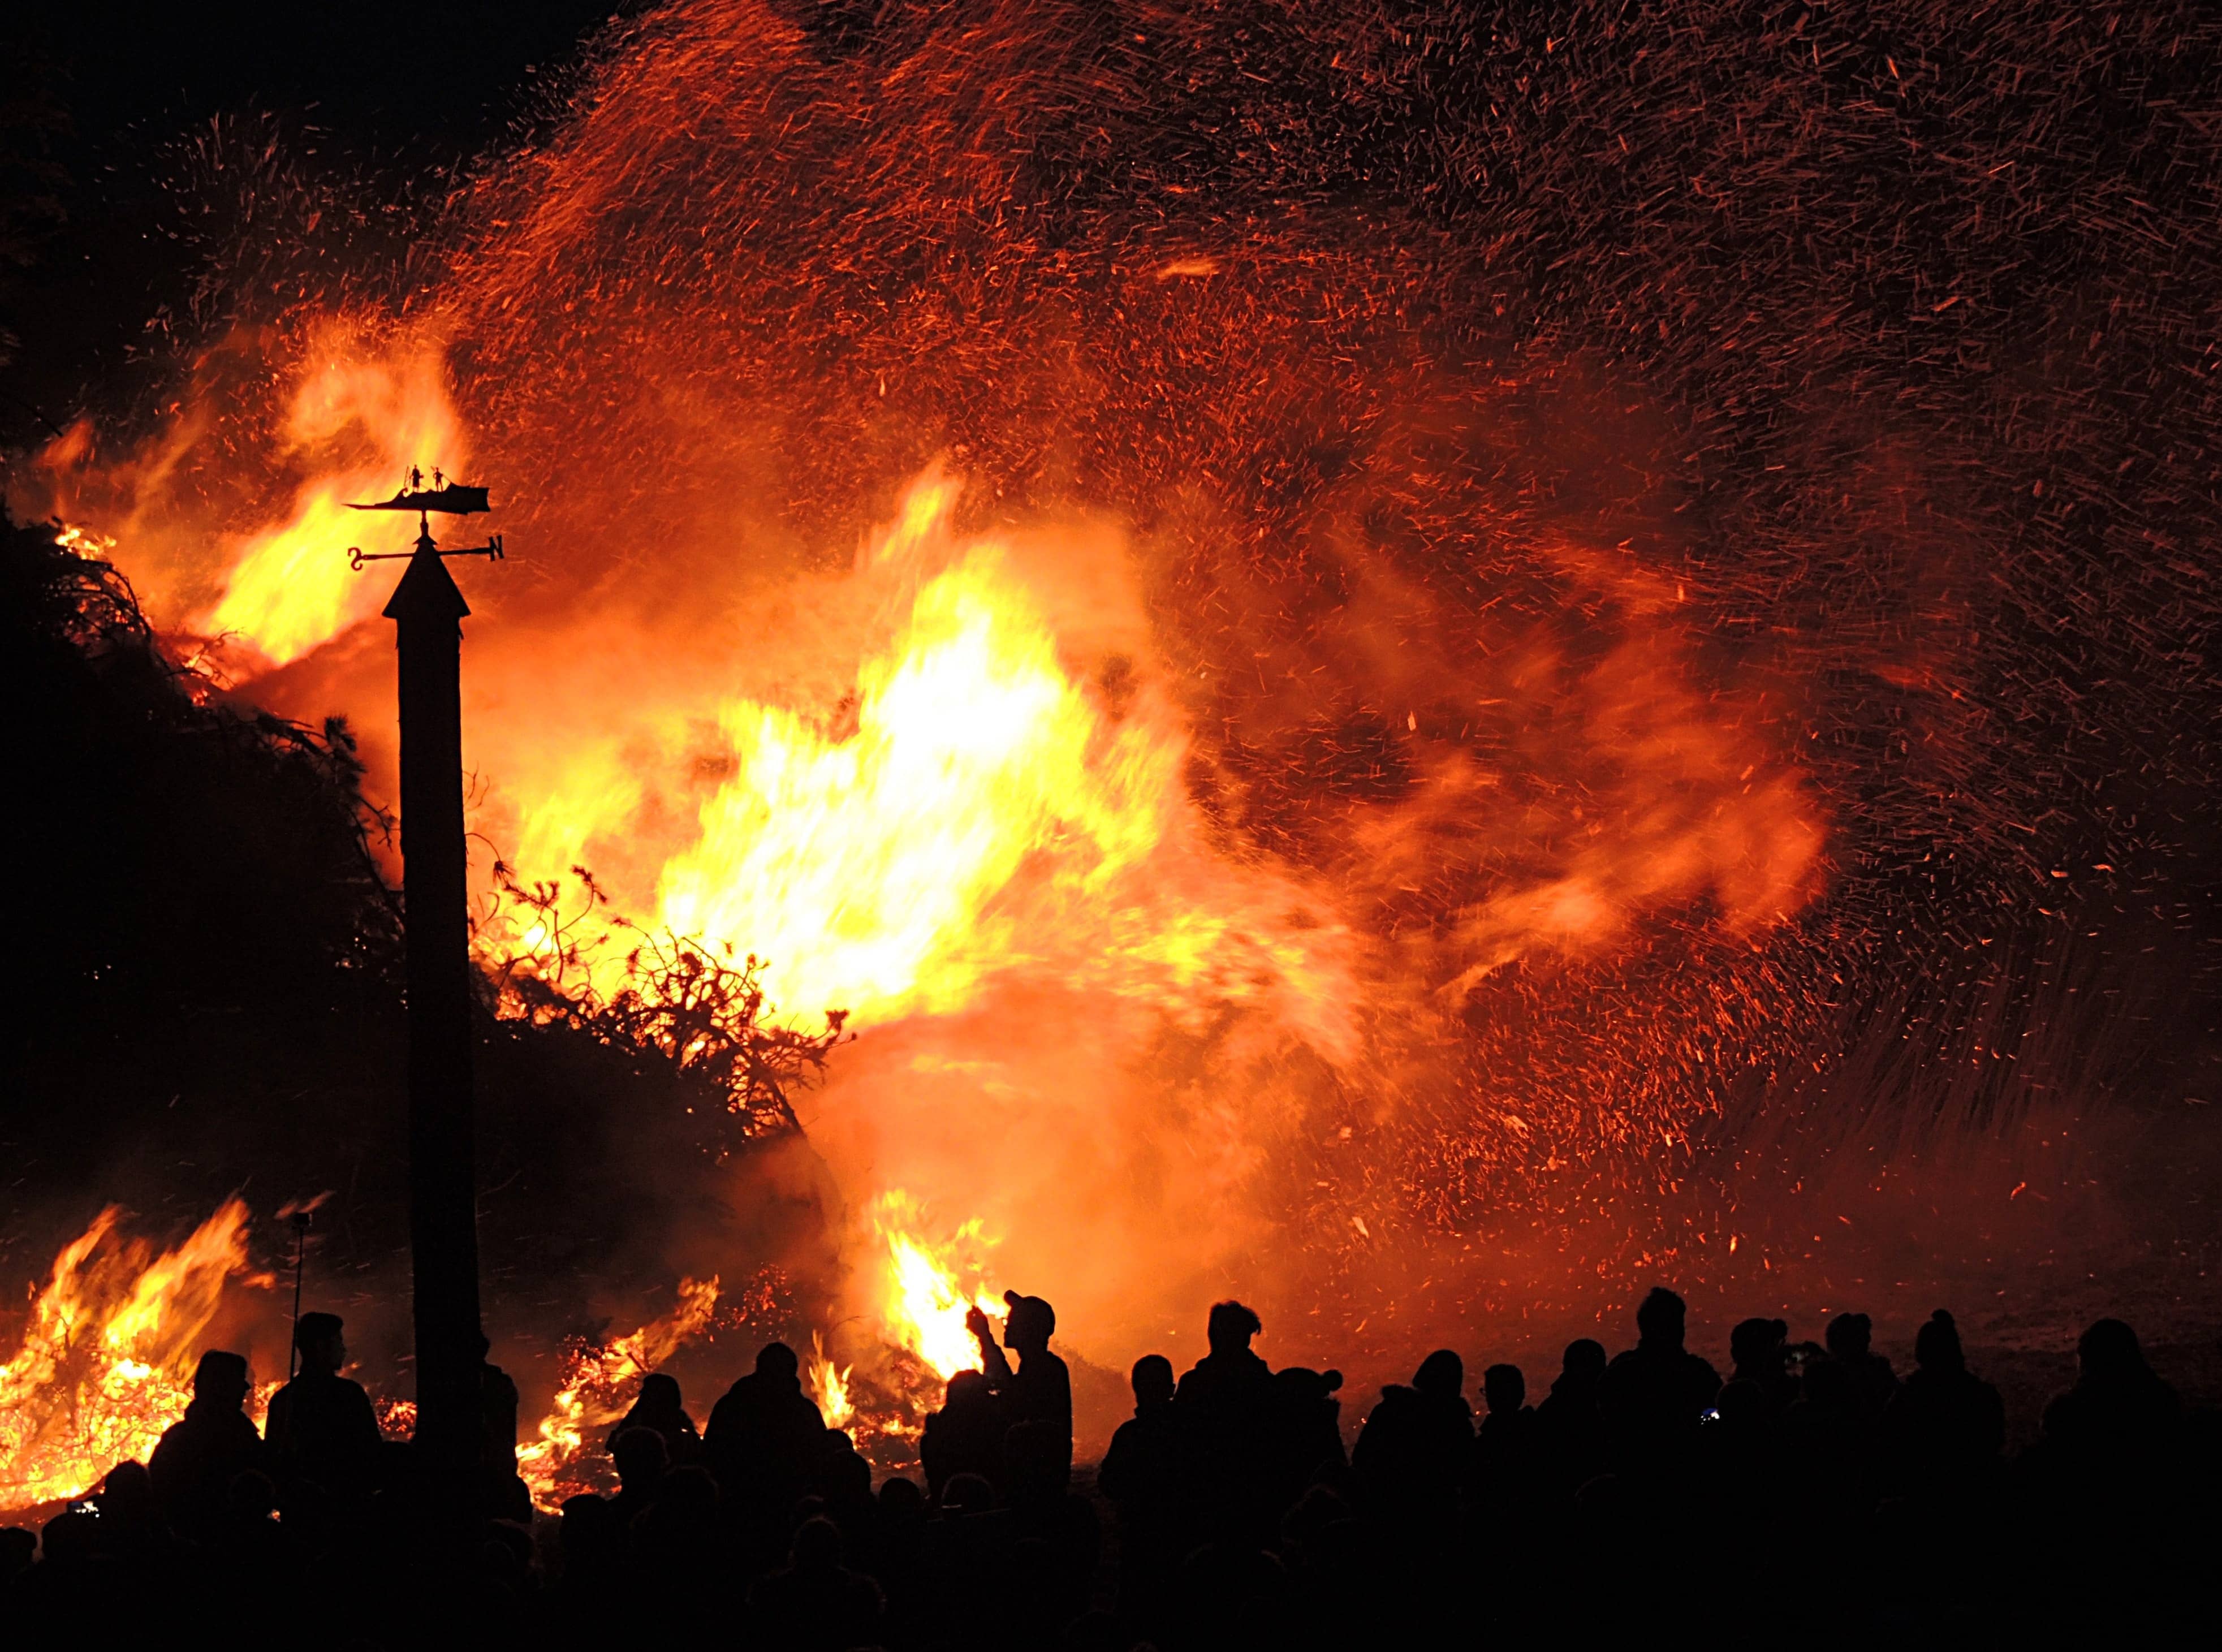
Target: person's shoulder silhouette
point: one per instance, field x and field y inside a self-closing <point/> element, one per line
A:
<point x="321" y="1428"/>
<point x="2118" y="1406"/>
<point x="200" y="1455"/>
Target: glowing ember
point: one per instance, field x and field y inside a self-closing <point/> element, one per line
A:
<point x="105" y="1363"/>
<point x="597" y="1388"/>
<point x="926" y="1299"/>
<point x="84" y="541"/>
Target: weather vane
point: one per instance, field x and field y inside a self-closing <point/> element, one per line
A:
<point x="444" y="497"/>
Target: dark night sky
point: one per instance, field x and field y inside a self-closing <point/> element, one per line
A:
<point x="400" y="88"/>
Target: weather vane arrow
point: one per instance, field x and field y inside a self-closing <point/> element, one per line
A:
<point x="443" y="497"/>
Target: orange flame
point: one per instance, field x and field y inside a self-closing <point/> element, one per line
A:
<point x="289" y="588"/>
<point x="829" y="1387"/>
<point x="596" y="1390"/>
<point x="987" y="809"/>
<point x="925" y="1301"/>
<point x="105" y="1362"/>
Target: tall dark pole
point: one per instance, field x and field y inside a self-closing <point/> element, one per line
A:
<point x="427" y="611"/>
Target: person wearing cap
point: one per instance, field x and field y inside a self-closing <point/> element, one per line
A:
<point x="1040" y="1390"/>
<point x="323" y="1434"/>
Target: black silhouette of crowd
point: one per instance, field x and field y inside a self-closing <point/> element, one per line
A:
<point x="1814" y="1496"/>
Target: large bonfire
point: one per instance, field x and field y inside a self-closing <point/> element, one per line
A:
<point x="1318" y="636"/>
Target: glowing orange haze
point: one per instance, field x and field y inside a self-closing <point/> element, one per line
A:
<point x="972" y="831"/>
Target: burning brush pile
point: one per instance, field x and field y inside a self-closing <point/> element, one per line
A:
<point x="102" y="1355"/>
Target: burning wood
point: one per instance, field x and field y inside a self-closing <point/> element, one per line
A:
<point x="106" y="1358"/>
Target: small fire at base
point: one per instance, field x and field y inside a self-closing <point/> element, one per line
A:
<point x="105" y="1361"/>
<point x="105" y="1365"/>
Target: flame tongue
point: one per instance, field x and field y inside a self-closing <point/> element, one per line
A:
<point x="829" y="1387"/>
<point x="926" y="1300"/>
<point x="105" y="1361"/>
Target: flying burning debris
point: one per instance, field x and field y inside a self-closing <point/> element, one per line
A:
<point x="106" y="1359"/>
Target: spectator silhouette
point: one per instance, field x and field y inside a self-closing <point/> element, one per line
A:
<point x="1143" y="1476"/>
<point x="202" y="1453"/>
<point x="815" y="1603"/>
<point x="1571" y="1427"/>
<point x="131" y="1528"/>
<point x="1306" y="1431"/>
<point x="1508" y="1449"/>
<point x="2119" y="1408"/>
<point x="1759" y="1352"/>
<point x="1945" y="1425"/>
<point x="764" y="1436"/>
<point x="1412" y="1452"/>
<point x="1826" y="1434"/>
<point x="1040" y="1390"/>
<point x="322" y="1436"/>
<point x="1850" y="1339"/>
<point x="675" y="1538"/>
<point x="1226" y="1404"/>
<point x="642" y="1462"/>
<point x="965" y="1436"/>
<point x="1045" y="1512"/>
<point x="503" y="1492"/>
<point x="1652" y="1396"/>
<point x="19" y="1548"/>
<point x="658" y="1406"/>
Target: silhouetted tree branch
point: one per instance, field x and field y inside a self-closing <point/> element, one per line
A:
<point x="698" y="1007"/>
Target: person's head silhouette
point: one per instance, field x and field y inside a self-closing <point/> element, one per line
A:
<point x="220" y="1380"/>
<point x="2108" y="1352"/>
<point x="1031" y="1323"/>
<point x="1152" y="1378"/>
<point x="1661" y="1320"/>
<point x="776" y="1362"/>
<point x="1441" y="1375"/>
<point x="659" y="1394"/>
<point x="1757" y="1342"/>
<point x="641" y="1457"/>
<point x="323" y="1342"/>
<point x="1503" y="1389"/>
<point x="817" y="1551"/>
<point x="1851" y="1335"/>
<point x="1583" y="1363"/>
<point x="1936" y="1344"/>
<point x="1231" y="1326"/>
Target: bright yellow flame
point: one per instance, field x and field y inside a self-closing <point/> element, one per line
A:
<point x="84" y="541"/>
<point x="829" y="1387"/>
<point x="865" y="867"/>
<point x="106" y="1359"/>
<point x="926" y="1301"/>
<point x="981" y="805"/>
<point x="290" y="587"/>
<point x="596" y="1389"/>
